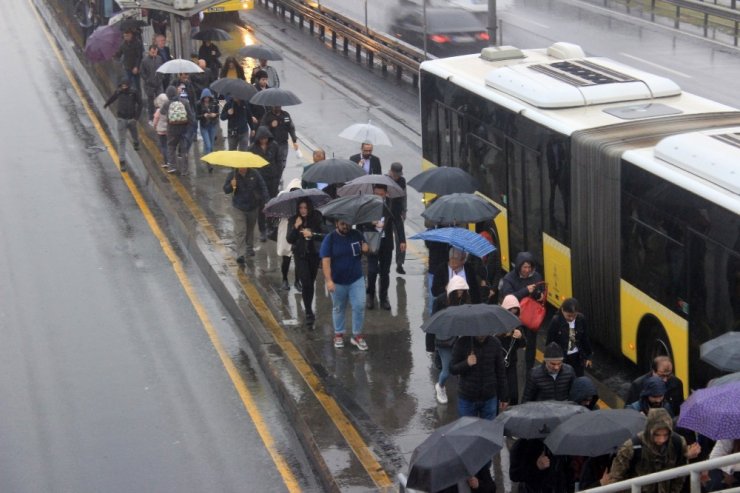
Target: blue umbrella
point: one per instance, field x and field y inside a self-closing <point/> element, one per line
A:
<point x="713" y="412"/>
<point x="103" y="43"/>
<point x="461" y="238"/>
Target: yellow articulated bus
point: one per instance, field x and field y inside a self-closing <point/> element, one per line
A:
<point x="626" y="188"/>
<point x="231" y="6"/>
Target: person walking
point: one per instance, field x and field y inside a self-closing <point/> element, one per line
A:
<point x="160" y="127"/>
<point x="537" y="469"/>
<point x="398" y="209"/>
<point x="208" y="113"/>
<point x="249" y="192"/>
<point x="258" y="111"/>
<point x="511" y="342"/>
<point x="379" y="263"/>
<point x="369" y="162"/>
<point x="550" y="381"/>
<point x="305" y="233"/>
<point x="130" y="53"/>
<point x="522" y="281"/>
<point x="727" y="476"/>
<point x="272" y="76"/>
<point x="655" y="449"/>
<point x="152" y="79"/>
<point x="568" y="328"/>
<point x="180" y="116"/>
<point x="652" y="396"/>
<point x="341" y="253"/>
<point x="281" y="125"/>
<point x="661" y="367"/>
<point x="128" y="109"/>
<point x="209" y="52"/>
<point x="239" y="117"/>
<point x="457" y="293"/>
<point x="232" y="69"/>
<point x="482" y="388"/>
<point x="265" y="146"/>
<point x="284" y="248"/>
<point x="456" y="266"/>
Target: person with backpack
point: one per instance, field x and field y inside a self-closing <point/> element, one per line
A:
<point x="180" y="116"/>
<point x="655" y="449"/>
<point x="128" y="110"/>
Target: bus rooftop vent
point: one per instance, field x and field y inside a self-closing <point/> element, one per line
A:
<point x="496" y="53"/>
<point x="582" y="73"/>
<point x="713" y="157"/>
<point x="564" y="51"/>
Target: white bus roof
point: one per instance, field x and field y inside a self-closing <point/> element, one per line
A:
<point x="706" y="163"/>
<point x="568" y="92"/>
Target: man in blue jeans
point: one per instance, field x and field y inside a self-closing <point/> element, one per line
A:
<point x="479" y="361"/>
<point x="341" y="253"/>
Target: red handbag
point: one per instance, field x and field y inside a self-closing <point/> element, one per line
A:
<point x="531" y="311"/>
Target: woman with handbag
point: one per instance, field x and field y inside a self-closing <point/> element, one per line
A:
<point x="568" y="328"/>
<point x="305" y="233"/>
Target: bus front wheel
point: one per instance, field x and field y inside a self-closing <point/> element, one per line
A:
<point x="652" y="341"/>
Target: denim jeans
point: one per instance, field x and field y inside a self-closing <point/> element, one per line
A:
<point x="208" y="132"/>
<point x="355" y="294"/>
<point x="445" y="355"/>
<point x="479" y="409"/>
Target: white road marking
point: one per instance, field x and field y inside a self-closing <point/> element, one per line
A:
<point x="661" y="67"/>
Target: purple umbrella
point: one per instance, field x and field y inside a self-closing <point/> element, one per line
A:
<point x="713" y="412"/>
<point x="103" y="43"/>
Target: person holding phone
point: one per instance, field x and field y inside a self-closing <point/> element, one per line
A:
<point x="341" y="254"/>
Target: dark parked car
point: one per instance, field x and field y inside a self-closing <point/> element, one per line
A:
<point x="449" y="31"/>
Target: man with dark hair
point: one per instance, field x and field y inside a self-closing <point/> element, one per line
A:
<point x="152" y="79"/>
<point x="568" y="329"/>
<point x="369" y="162"/>
<point x="550" y="381"/>
<point x="281" y="125"/>
<point x="661" y="367"/>
<point x="130" y="53"/>
<point x="379" y="263"/>
<point x="128" y="110"/>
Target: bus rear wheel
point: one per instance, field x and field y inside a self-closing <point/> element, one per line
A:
<point x="652" y="342"/>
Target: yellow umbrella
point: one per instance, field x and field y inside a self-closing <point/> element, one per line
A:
<point x="235" y="159"/>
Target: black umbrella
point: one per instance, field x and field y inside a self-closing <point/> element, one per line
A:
<point x="460" y="208"/>
<point x="286" y="204"/>
<point x="333" y="171"/>
<point x="260" y="52"/>
<point x="595" y="433"/>
<point x="454" y="452"/>
<point x="235" y="88"/>
<point x="212" y="34"/>
<point x="275" y="96"/>
<point x="364" y="185"/>
<point x="732" y="377"/>
<point x="722" y="352"/>
<point x="537" y="419"/>
<point x="443" y="181"/>
<point x="471" y="320"/>
<point x="356" y="209"/>
<point x="131" y="23"/>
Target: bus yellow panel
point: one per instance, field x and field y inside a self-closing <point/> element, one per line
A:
<point x="231" y="5"/>
<point x="634" y="306"/>
<point x="558" y="273"/>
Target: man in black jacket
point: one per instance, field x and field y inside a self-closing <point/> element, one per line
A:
<point x="398" y="208"/>
<point x="250" y="194"/>
<point x="568" y="329"/>
<point x="482" y="386"/>
<point x="456" y="265"/>
<point x="550" y="381"/>
<point x="366" y="159"/>
<point x="128" y="110"/>
<point x="281" y="125"/>
<point x="239" y="128"/>
<point x="661" y="367"/>
<point x="380" y="263"/>
<point x="131" y="52"/>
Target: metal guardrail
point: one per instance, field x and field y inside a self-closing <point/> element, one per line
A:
<point x="374" y="47"/>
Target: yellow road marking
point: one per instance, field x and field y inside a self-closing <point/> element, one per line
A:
<point x="239" y="384"/>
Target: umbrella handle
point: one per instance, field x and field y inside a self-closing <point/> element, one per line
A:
<point x="234" y="186"/>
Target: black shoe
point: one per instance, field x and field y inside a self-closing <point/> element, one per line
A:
<point x="310" y="318"/>
<point x="399" y="269"/>
<point x="240" y="260"/>
<point x="370" y="303"/>
<point x="250" y="253"/>
<point x="285" y="286"/>
<point x="263" y="237"/>
<point x="298" y="287"/>
<point x="123" y="166"/>
<point x="385" y="305"/>
<point x="136" y="146"/>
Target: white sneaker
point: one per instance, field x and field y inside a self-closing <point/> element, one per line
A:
<point x="441" y="393"/>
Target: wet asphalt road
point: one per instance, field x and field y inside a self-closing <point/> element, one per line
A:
<point x="108" y="379"/>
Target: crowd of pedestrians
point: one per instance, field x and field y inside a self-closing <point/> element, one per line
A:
<point x="486" y="367"/>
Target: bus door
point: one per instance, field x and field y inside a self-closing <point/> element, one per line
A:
<point x="524" y="200"/>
